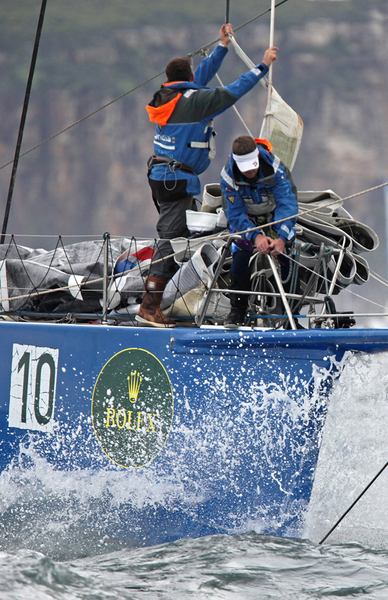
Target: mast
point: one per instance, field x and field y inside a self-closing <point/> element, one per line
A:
<point x="271" y="43"/>
<point x="22" y="121"/>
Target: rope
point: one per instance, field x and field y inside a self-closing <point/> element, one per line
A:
<point x="192" y="54"/>
<point x="311" y="210"/>
<point x="354" y="503"/>
<point x="115" y="277"/>
<point x="84" y="118"/>
<point x="36" y="292"/>
<point x="247" y="61"/>
<point x="205" y="53"/>
<point x="225" y="237"/>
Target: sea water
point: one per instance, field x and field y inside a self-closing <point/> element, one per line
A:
<point x="245" y="566"/>
<point x="46" y="554"/>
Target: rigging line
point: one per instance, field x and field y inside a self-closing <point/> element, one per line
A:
<point x="80" y="285"/>
<point x="353" y="293"/>
<point x="227" y="235"/>
<point x="86" y="117"/>
<point x="353" y="504"/>
<point x="23" y="119"/>
<point x="66" y="235"/>
<point x="190" y="55"/>
<point x="312" y="210"/>
<point x="86" y="278"/>
<point x="113" y="276"/>
<point x="32" y="294"/>
<point x="205" y="53"/>
<point x="378" y="278"/>
<point x="343" y="289"/>
<point x="195" y="289"/>
<point x="236" y="109"/>
<point x="49" y="266"/>
<point x="235" y="29"/>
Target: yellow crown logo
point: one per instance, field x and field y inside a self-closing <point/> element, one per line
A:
<point x="134" y="382"/>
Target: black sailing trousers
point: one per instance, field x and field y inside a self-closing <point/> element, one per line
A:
<point x="172" y="200"/>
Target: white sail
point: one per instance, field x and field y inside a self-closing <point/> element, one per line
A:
<point x="283" y="127"/>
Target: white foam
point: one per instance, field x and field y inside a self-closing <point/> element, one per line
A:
<point x="354" y="448"/>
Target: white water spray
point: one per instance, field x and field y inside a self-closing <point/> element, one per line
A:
<point x="354" y="448"/>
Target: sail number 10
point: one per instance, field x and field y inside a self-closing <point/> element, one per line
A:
<point x="33" y="387"/>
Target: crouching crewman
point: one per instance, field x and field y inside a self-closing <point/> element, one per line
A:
<point x="257" y="188"/>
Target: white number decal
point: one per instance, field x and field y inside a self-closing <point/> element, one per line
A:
<point x="33" y="385"/>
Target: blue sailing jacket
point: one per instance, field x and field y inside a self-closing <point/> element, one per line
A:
<point x="183" y="112"/>
<point x="273" y="194"/>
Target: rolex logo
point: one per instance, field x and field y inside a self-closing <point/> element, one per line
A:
<point x="134" y="382"/>
<point x="132" y="408"/>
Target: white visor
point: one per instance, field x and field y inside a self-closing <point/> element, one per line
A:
<point x="247" y="162"/>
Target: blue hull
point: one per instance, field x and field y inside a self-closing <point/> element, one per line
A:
<point x="203" y="431"/>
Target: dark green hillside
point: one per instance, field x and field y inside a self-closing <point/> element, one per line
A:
<point x="87" y="44"/>
<point x="82" y="16"/>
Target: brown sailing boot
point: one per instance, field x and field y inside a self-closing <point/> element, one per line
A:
<point x="149" y="311"/>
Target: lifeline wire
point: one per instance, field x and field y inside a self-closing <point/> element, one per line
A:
<point x="259" y="227"/>
<point x="112" y="277"/>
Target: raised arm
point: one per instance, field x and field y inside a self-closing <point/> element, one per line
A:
<point x="210" y="65"/>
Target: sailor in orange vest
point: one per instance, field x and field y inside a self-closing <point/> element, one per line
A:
<point x="183" y="110"/>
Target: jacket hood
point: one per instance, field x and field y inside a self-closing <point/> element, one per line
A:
<point x="162" y="105"/>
